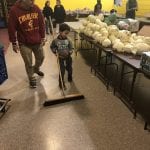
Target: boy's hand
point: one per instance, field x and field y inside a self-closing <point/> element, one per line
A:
<point x="64" y="53"/>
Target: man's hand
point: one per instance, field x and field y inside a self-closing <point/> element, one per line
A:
<point x="16" y="48"/>
<point x="43" y="41"/>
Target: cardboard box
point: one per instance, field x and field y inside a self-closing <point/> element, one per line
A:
<point x="145" y="31"/>
<point x="147" y="16"/>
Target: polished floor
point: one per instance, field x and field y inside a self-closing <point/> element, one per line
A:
<point x="99" y="122"/>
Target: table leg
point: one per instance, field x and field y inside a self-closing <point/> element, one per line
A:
<point x="132" y="85"/>
<point x="122" y="73"/>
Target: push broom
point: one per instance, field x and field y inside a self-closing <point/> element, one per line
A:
<point x="64" y="98"/>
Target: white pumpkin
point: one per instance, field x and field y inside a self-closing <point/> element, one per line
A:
<point x="113" y="30"/>
<point x="92" y="18"/>
<point x="147" y="40"/>
<point x="106" y="43"/>
<point x="134" y="51"/>
<point x="124" y="36"/>
<point x="138" y="41"/>
<point x="89" y="33"/>
<point x="118" y="46"/>
<point x="101" y="17"/>
<point x="142" y="47"/>
<point x="128" y="48"/>
<point x="97" y="27"/>
<point x="133" y="35"/>
<point x="101" y="39"/>
<point x="90" y="25"/>
<point x="95" y="34"/>
<point x="81" y="29"/>
<point x="104" y="33"/>
<point x="115" y="41"/>
<point x="84" y="22"/>
<point x="97" y="37"/>
<point x="112" y="38"/>
<point x="104" y="25"/>
<point x="98" y="22"/>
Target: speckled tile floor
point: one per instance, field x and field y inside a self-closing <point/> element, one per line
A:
<point x="99" y="122"/>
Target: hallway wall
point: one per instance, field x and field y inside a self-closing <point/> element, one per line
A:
<point x="107" y="4"/>
<point x="144" y="5"/>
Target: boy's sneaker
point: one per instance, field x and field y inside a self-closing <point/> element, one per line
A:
<point x="40" y="73"/>
<point x="33" y="83"/>
<point x="69" y="78"/>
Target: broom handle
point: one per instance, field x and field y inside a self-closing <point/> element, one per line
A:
<point x="60" y="75"/>
<point x="51" y="24"/>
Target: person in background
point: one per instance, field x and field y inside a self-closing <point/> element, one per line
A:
<point x="64" y="48"/>
<point x="112" y="18"/>
<point x="98" y="8"/>
<point x="26" y="30"/>
<point x="48" y="14"/>
<point x="59" y="14"/>
<point x="131" y="7"/>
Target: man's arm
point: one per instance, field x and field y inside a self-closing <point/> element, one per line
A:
<point x="136" y="6"/>
<point x="64" y="11"/>
<point x="127" y="6"/>
<point x="41" y="26"/>
<point x="51" y="13"/>
<point x="12" y="28"/>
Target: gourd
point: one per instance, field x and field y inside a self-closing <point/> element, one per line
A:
<point x="128" y="48"/>
<point x="101" y="17"/>
<point x="84" y="22"/>
<point x="81" y="29"/>
<point x="118" y="46"/>
<point x="92" y="18"/>
<point x="142" y="47"/>
<point x="113" y="30"/>
<point x="97" y="37"/>
<point x="106" y="43"/>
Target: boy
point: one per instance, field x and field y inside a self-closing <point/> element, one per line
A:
<point x="62" y="47"/>
<point x="112" y="18"/>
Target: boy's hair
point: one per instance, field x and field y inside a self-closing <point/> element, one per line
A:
<point x="113" y="11"/>
<point x="64" y="27"/>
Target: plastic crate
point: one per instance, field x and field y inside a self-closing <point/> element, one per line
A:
<point x="3" y="69"/>
<point x="2" y="23"/>
<point x="145" y="61"/>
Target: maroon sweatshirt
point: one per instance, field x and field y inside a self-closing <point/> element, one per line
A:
<point x="26" y="26"/>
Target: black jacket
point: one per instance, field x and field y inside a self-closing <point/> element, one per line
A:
<point x="47" y="11"/>
<point x="59" y="13"/>
<point x="96" y="9"/>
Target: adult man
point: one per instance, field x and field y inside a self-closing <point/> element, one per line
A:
<point x="131" y="7"/>
<point x="48" y="13"/>
<point x="27" y="33"/>
<point x="98" y="8"/>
